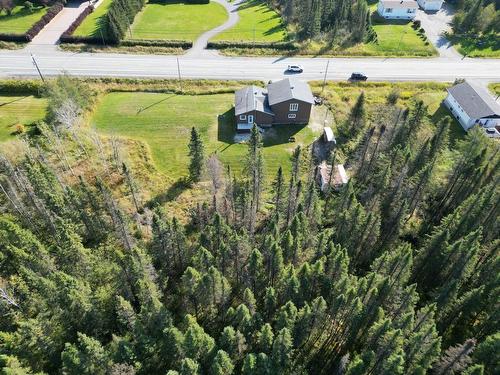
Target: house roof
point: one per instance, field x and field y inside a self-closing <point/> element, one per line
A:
<point x="395" y="4"/>
<point x="288" y="89"/>
<point x="475" y="100"/>
<point x="251" y="98"/>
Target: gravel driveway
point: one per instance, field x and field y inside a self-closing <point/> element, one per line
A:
<point x="435" y="24"/>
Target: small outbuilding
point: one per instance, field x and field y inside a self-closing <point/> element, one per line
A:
<point x="473" y="105"/>
<point x="397" y="9"/>
<point x="325" y="179"/>
<point x="328" y="134"/>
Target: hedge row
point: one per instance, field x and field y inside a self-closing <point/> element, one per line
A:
<point x="68" y="37"/>
<point x="184" y="44"/>
<point x="224" y="44"/>
<point x="120" y="16"/>
<point x="36" y="28"/>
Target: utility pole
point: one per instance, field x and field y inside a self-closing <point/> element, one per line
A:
<point x="326" y="73"/>
<point x="37" y="68"/>
<point x="179" y="72"/>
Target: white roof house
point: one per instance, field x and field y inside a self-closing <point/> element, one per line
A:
<point x="473" y="105"/>
<point x="430" y="5"/>
<point x="397" y="9"/>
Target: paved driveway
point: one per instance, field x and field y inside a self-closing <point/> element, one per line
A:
<point x="201" y="43"/>
<point x="50" y="34"/>
<point x="435" y="24"/>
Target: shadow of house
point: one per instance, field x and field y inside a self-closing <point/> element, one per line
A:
<point x="226" y="127"/>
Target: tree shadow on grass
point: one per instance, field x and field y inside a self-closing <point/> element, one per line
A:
<point x="13" y="101"/>
<point x="172" y="193"/>
<point x="456" y="133"/>
<point x="140" y="110"/>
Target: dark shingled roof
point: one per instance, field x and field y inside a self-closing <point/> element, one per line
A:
<point x="475" y="101"/>
<point x="251" y="98"/>
<point x="287" y="89"/>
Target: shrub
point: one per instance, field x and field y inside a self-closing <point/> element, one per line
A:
<point x="393" y="96"/>
<point x="417" y="24"/>
<point x="28" y="5"/>
<point x="20" y="129"/>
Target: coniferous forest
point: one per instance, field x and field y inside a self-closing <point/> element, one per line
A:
<point x="397" y="272"/>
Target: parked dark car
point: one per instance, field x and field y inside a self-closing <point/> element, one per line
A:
<point x="358" y="77"/>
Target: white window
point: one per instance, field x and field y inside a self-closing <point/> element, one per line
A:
<point x="388" y="10"/>
<point x="292" y="115"/>
<point x="294" y="107"/>
<point x="250" y="119"/>
<point x="243" y="117"/>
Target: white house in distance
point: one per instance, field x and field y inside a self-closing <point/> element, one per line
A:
<point x="430" y="5"/>
<point x="397" y="9"/>
<point x="473" y="105"/>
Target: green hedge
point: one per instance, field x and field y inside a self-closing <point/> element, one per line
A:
<point x="225" y="44"/>
<point x="21" y="86"/>
<point x="120" y="17"/>
<point x="184" y="44"/>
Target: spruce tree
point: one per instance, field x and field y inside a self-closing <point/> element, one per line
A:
<point x="197" y="157"/>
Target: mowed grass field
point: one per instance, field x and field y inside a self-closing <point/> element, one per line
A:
<point x="176" y="20"/>
<point x="21" y="19"/>
<point x="16" y="110"/>
<point x="257" y="23"/>
<point x="164" y="122"/>
<point x="95" y="21"/>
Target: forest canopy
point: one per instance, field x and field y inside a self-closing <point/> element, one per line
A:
<point x="397" y="272"/>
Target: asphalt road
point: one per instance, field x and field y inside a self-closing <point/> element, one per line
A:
<point x="209" y="65"/>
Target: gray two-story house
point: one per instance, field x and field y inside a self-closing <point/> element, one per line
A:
<point x="288" y="101"/>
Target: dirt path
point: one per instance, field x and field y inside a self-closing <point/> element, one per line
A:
<point x="200" y="45"/>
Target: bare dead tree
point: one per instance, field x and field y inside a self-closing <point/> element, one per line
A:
<point x="7" y="298"/>
<point x="132" y="186"/>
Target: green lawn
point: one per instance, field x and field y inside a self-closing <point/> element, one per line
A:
<point x="257" y="23"/>
<point x="176" y="20"/>
<point x="16" y="110"/>
<point x="486" y="46"/>
<point x="20" y="20"/>
<point x="395" y="38"/>
<point x="94" y="21"/>
<point x="164" y="121"/>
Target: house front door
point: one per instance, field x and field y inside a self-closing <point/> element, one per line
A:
<point x="250" y="119"/>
